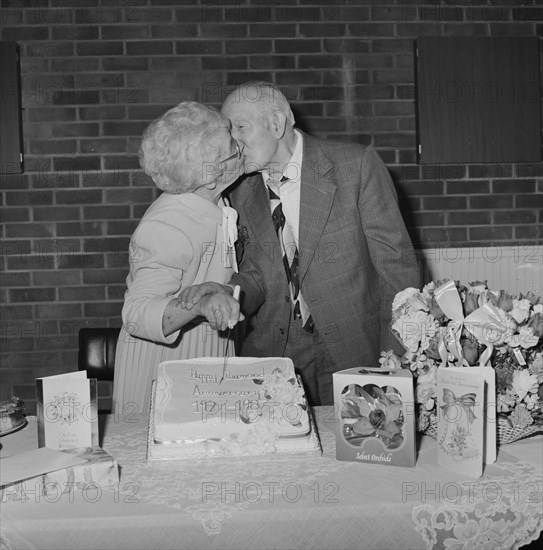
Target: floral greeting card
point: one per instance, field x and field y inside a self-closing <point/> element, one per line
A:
<point x="489" y="408"/>
<point x="67" y="411"/>
<point x="460" y="402"/>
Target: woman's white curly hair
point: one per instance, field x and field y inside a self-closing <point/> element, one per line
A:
<point x="178" y="148"/>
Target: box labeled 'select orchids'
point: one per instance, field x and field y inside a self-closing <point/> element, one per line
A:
<point x="376" y="413"/>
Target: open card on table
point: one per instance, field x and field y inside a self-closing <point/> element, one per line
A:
<point x="460" y="426"/>
<point x="67" y="411"/>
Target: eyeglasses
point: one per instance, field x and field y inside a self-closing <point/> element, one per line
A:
<point x="237" y="154"/>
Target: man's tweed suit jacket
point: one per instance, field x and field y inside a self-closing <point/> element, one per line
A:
<point x="355" y="254"/>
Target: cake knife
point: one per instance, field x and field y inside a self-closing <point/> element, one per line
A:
<point x="229" y="332"/>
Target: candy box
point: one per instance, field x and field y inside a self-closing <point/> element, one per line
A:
<point x="376" y="416"/>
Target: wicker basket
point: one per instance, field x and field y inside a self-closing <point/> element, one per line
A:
<point x="505" y="433"/>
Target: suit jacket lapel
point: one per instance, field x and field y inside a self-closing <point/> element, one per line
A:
<point x="255" y="204"/>
<point x="318" y="187"/>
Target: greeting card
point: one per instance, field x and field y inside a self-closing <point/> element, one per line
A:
<point x="67" y="411"/>
<point x="460" y="404"/>
<point x="376" y="416"/>
<point x="489" y="408"/>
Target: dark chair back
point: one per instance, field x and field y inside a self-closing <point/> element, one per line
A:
<point x="97" y="351"/>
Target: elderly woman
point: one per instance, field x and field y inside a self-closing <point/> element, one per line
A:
<point x="186" y="237"/>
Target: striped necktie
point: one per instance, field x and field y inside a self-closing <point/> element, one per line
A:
<point x="290" y="260"/>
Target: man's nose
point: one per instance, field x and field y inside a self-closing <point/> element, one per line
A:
<point x="241" y="146"/>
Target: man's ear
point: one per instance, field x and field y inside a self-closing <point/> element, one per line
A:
<point x="278" y="124"/>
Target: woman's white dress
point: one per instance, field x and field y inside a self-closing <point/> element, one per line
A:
<point x="181" y="240"/>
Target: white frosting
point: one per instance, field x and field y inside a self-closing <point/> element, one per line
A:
<point x="11" y="414"/>
<point x="258" y="408"/>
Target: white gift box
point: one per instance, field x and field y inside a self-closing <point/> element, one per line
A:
<point x="376" y="416"/>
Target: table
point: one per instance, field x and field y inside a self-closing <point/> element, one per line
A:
<point x="283" y="502"/>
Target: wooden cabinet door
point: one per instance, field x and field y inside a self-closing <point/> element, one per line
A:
<point x="11" y="137"/>
<point x="478" y="99"/>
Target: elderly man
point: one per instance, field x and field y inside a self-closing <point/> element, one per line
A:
<point x="322" y="249"/>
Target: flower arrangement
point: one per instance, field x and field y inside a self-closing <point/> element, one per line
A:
<point x="282" y="400"/>
<point x="13" y="406"/>
<point x="242" y="241"/>
<point x="281" y="395"/>
<point x="449" y="324"/>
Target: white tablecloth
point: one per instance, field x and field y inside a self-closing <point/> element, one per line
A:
<point x="283" y="502"/>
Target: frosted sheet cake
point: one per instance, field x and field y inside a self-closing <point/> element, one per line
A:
<point x="259" y="408"/>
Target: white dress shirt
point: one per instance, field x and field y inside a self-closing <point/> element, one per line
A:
<point x="289" y="191"/>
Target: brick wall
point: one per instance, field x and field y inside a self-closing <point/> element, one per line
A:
<point x="95" y="72"/>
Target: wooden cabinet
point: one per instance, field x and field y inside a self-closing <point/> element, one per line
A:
<point x="11" y="136"/>
<point x="478" y="99"/>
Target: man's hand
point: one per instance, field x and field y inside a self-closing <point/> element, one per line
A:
<point x="220" y="309"/>
<point x="191" y="295"/>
